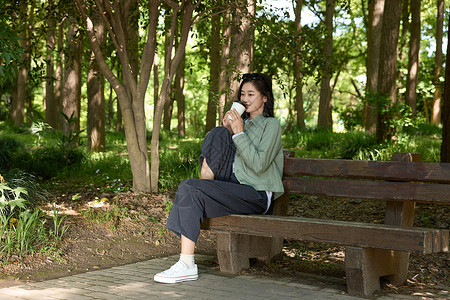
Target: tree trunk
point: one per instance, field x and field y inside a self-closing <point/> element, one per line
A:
<point x="445" y="146"/>
<point x="130" y="93"/>
<point x="413" y="62"/>
<point x="96" y="98"/>
<point x="170" y="66"/>
<point x="214" y="74"/>
<point x="225" y="72"/>
<point x="51" y="106"/>
<point x="376" y="9"/>
<point x="298" y="76"/>
<point x="168" y="107"/>
<point x="242" y="42"/>
<point x="59" y="76"/>
<point x="155" y="83"/>
<point x="325" y="120"/>
<point x="180" y="96"/>
<point x="72" y="79"/>
<point x="18" y="102"/>
<point x="436" y="111"/>
<point x="388" y="68"/>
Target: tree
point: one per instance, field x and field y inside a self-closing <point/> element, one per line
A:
<point x="180" y="96"/>
<point x="214" y="73"/>
<point x="130" y="93"/>
<point x="96" y="122"/>
<point x="436" y="112"/>
<point x="170" y="66"/>
<point x="51" y="105"/>
<point x="242" y="42"/>
<point x="325" y="120"/>
<point x="387" y="89"/>
<point x="413" y="62"/>
<point x="20" y="93"/>
<point x="71" y="98"/>
<point x="298" y="76"/>
<point x="376" y="9"/>
<point x="445" y="146"/>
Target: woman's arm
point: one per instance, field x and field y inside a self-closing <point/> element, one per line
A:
<point x="259" y="147"/>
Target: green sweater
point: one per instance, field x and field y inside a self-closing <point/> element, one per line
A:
<point x="259" y="155"/>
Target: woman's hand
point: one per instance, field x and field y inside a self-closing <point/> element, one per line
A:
<point x="233" y="122"/>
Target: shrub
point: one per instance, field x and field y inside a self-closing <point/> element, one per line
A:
<point x="8" y="146"/>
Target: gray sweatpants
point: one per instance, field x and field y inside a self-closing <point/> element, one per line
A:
<point x="201" y="198"/>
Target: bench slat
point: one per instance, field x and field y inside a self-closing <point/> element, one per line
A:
<point x="383" y="170"/>
<point x="334" y="232"/>
<point x="380" y="190"/>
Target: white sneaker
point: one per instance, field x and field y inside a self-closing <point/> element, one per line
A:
<point x="177" y="273"/>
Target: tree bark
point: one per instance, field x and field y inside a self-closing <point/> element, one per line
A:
<point x="59" y="76"/>
<point x="413" y="62"/>
<point x="72" y="78"/>
<point x="325" y="120"/>
<point x="51" y="106"/>
<point x="17" y="113"/>
<point x="180" y="96"/>
<point x="214" y="74"/>
<point x="242" y="42"/>
<point x="225" y="72"/>
<point x="298" y="76"/>
<point x="376" y="9"/>
<point x="96" y="122"/>
<point x="168" y="107"/>
<point x="387" y="75"/>
<point x="436" y="111"/>
<point x="445" y="146"/>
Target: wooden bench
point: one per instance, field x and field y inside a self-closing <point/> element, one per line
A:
<point x="372" y="250"/>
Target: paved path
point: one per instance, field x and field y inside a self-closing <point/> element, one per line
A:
<point x="135" y="281"/>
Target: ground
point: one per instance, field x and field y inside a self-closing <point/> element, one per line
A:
<point x="113" y="229"/>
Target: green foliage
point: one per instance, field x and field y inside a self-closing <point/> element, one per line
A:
<point x="8" y="146"/>
<point x="179" y="161"/>
<point x="21" y="226"/>
<point x="60" y="226"/>
<point x="419" y="138"/>
<point x="10" y="52"/>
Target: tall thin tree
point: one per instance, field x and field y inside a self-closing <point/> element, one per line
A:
<point x="413" y="62"/>
<point x="298" y="74"/>
<point x="436" y="111"/>
<point x="375" y="23"/>
<point x="387" y="88"/>
<point x="325" y="120"/>
<point x="445" y="146"/>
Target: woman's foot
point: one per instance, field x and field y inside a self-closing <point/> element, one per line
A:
<point x="179" y="272"/>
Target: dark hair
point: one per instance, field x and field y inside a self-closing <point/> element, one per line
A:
<point x="263" y="84"/>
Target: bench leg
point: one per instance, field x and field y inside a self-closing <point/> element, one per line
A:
<point x="234" y="251"/>
<point x="364" y="267"/>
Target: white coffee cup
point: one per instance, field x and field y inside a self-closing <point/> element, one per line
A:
<point x="240" y="108"/>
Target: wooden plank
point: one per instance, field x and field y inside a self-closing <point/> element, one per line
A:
<point x="332" y="232"/>
<point x="364" y="189"/>
<point x="361" y="169"/>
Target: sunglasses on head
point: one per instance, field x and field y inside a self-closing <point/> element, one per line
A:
<point x="251" y="76"/>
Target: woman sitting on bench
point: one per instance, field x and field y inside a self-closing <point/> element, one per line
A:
<point x="241" y="168"/>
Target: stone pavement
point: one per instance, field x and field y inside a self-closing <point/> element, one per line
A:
<point x="135" y="281"/>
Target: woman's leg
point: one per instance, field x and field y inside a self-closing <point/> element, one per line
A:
<point x="206" y="172"/>
<point x="187" y="246"/>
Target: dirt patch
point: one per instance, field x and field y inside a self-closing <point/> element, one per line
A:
<point x="114" y="229"/>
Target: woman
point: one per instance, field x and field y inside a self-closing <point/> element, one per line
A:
<point x="241" y="169"/>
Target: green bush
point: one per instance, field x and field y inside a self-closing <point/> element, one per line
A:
<point x="350" y="144"/>
<point x="48" y="162"/>
<point x="8" y="146"/>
